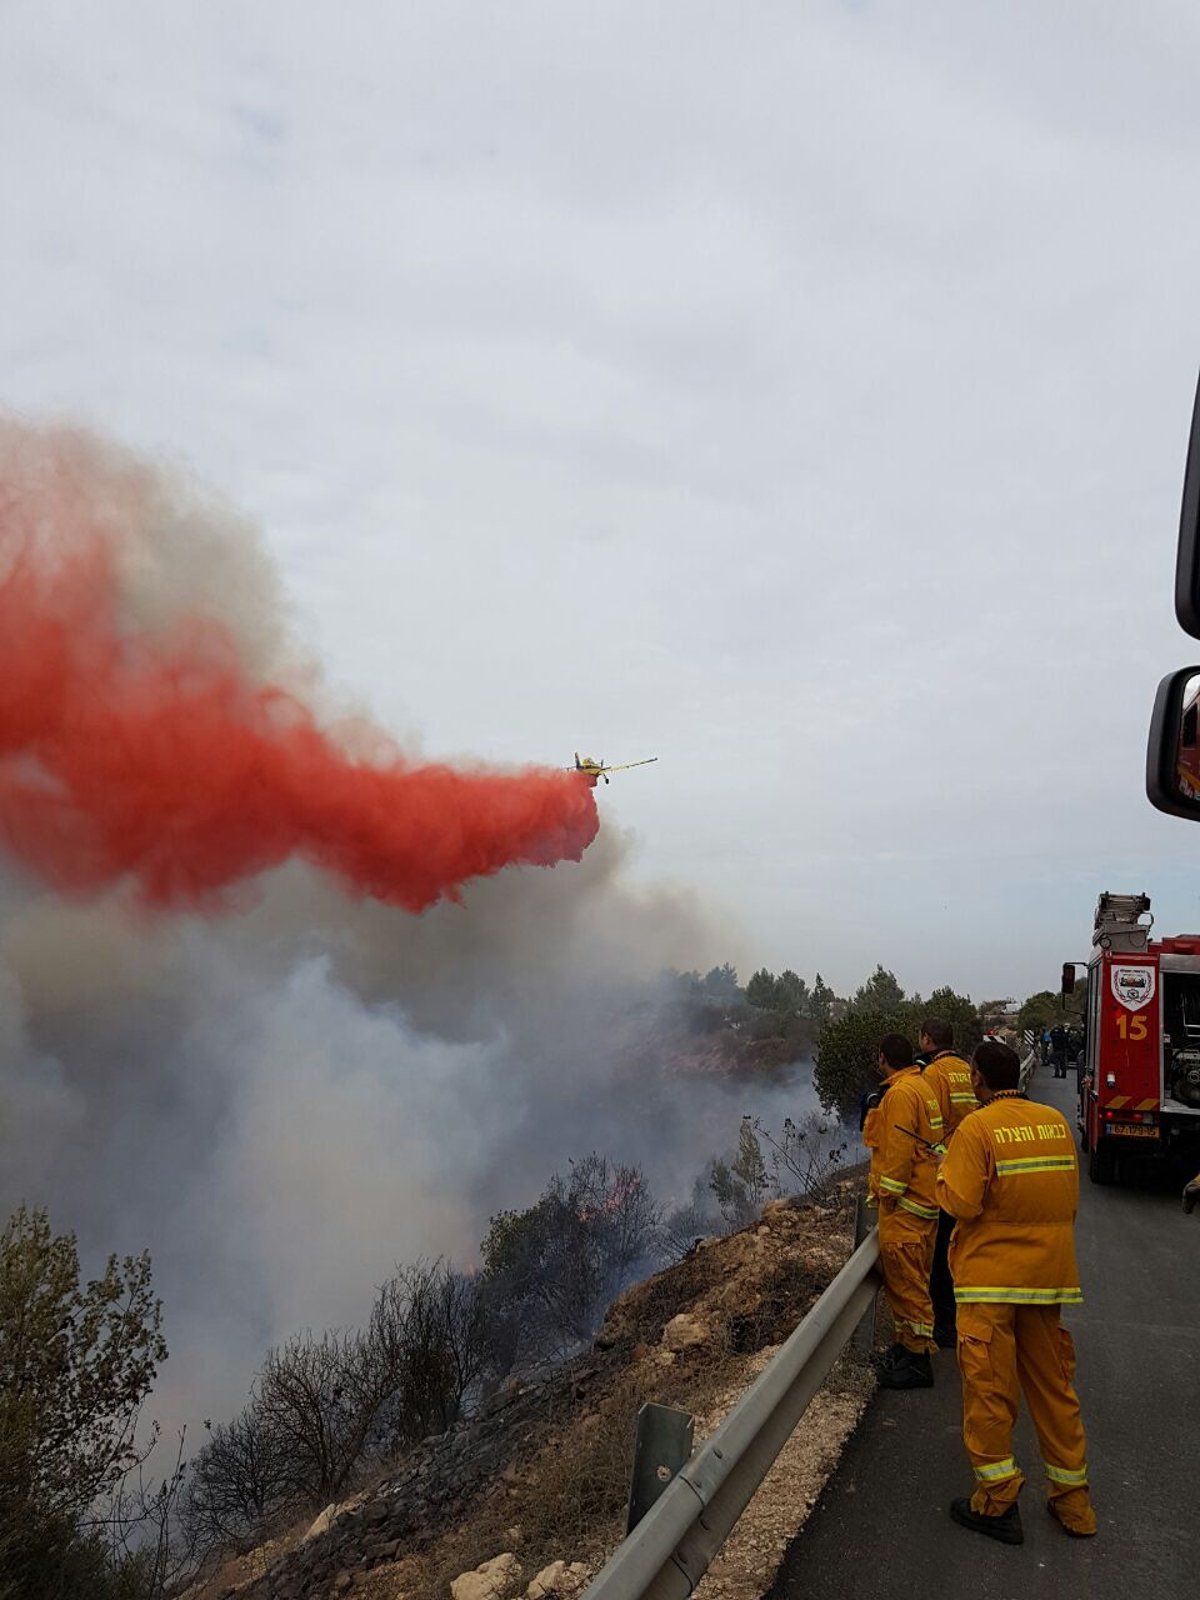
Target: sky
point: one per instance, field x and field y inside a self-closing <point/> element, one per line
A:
<point x="798" y="394"/>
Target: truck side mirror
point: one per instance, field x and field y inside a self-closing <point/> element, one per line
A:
<point x="1173" y="750"/>
<point x="1187" y="559"/>
<point x="1068" y="977"/>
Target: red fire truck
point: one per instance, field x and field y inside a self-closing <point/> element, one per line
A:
<point x="1139" y="1093"/>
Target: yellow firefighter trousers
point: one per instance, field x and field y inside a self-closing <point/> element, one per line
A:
<point x="1004" y="1350"/>
<point x="906" y="1255"/>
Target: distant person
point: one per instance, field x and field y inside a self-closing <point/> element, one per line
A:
<point x="949" y="1076"/>
<point x="903" y="1132"/>
<point x="1058" y="1050"/>
<point x="1011" y="1179"/>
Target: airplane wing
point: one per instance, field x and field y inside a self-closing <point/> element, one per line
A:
<point x="629" y="765"/>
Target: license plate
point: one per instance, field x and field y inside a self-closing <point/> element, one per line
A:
<point x="1133" y="1130"/>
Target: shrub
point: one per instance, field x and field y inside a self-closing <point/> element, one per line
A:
<point x="76" y="1364"/>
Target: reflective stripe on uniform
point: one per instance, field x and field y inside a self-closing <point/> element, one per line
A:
<point x="1000" y="1295"/>
<point x="967" y="1098"/>
<point x="923" y="1330"/>
<point x="892" y="1186"/>
<point x="1064" y="1475"/>
<point x="995" y="1470"/>
<point x="917" y="1209"/>
<point x="1035" y="1164"/>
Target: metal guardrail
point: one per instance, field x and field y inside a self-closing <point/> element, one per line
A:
<point x="669" y="1551"/>
<point x="1029" y="1066"/>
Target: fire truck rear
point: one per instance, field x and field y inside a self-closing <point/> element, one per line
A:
<point x="1139" y="1094"/>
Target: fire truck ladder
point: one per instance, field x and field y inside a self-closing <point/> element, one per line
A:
<point x="1118" y="923"/>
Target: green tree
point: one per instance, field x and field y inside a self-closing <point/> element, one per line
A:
<point x="821" y="1002"/>
<point x="792" y="993"/>
<point x="728" y="1192"/>
<point x="763" y="990"/>
<point x="880" y="996"/>
<point x="77" y="1361"/>
<point x="848" y="1058"/>
<point x="1044" y="1009"/>
<point x="848" y="1047"/>
<point x="748" y="1165"/>
<point x="959" y="1010"/>
<point x="721" y="985"/>
<point x="1038" y="1011"/>
<point x="741" y="1182"/>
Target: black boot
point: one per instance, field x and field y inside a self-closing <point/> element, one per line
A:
<point x="890" y="1357"/>
<point x="910" y="1371"/>
<point x="1007" y="1528"/>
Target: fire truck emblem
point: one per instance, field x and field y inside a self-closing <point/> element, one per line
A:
<point x="1133" y="987"/>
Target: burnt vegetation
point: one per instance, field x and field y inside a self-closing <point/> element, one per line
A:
<point x="331" y="1411"/>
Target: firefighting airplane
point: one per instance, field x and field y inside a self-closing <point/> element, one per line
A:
<point x="598" y="769"/>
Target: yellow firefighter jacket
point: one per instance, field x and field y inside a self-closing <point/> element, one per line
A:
<point x="1011" y="1179"/>
<point x="949" y="1077"/>
<point x="903" y="1168"/>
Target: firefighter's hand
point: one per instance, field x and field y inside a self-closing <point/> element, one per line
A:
<point x="1191" y="1195"/>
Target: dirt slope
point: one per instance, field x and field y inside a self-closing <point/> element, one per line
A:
<point x="542" y="1471"/>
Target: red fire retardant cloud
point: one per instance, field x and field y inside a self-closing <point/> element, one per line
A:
<point x="150" y="759"/>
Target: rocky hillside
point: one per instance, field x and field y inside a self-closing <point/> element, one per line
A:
<point x="528" y="1495"/>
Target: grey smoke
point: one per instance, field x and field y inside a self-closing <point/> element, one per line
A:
<point x="284" y="1102"/>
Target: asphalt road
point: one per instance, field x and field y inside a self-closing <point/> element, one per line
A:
<point x="882" y="1530"/>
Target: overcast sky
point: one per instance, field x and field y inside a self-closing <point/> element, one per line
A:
<point x="796" y="392"/>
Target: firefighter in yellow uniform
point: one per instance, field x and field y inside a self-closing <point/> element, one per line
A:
<point x="904" y="1132"/>
<point x="1011" y="1179"/>
<point x="949" y="1076"/>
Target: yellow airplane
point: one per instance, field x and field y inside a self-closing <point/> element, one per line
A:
<point x="598" y="769"/>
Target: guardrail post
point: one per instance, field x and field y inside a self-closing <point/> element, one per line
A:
<point x="661" y="1446"/>
<point x="863" y="1338"/>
